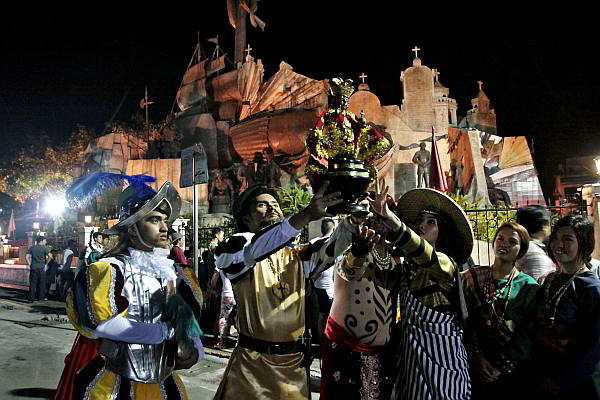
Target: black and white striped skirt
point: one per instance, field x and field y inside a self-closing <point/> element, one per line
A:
<point x="432" y="360"/>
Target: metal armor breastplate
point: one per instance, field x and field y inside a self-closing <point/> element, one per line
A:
<point x="148" y="363"/>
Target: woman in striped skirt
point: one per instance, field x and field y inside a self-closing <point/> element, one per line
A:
<point x="432" y="361"/>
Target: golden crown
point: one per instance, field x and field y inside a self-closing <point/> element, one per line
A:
<point x="340" y="92"/>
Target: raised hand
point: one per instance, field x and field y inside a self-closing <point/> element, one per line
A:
<point x="317" y="208"/>
<point x="320" y="201"/>
<point x="379" y="206"/>
<point x="364" y="241"/>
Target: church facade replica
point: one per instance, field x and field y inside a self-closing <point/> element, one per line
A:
<point x="254" y="130"/>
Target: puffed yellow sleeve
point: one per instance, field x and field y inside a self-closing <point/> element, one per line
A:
<point x="93" y="298"/>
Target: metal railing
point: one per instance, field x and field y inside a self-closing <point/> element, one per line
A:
<point x="485" y="222"/>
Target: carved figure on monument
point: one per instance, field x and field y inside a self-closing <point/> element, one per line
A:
<point x="245" y="175"/>
<point x="456" y="172"/>
<point x="270" y="171"/>
<point x="257" y="166"/>
<point x="422" y="158"/>
<point x="221" y="193"/>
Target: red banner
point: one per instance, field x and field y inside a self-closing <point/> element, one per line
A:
<point x="437" y="178"/>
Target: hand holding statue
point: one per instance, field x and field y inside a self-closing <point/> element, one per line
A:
<point x="317" y="208"/>
<point x="364" y="242"/>
<point x="379" y="205"/>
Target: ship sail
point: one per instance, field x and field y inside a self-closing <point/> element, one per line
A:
<point x="193" y="86"/>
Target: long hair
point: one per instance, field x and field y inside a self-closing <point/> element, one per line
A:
<point x="123" y="242"/>
<point x="442" y="244"/>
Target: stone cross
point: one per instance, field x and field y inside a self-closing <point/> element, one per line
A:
<point x="248" y="50"/>
<point x="480" y="85"/>
<point x="363" y="76"/>
<point x="436" y="73"/>
<point x="416" y="49"/>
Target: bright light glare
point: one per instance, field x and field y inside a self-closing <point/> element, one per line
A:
<point x="55" y="205"/>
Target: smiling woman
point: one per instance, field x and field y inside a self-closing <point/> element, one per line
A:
<point x="567" y="324"/>
<point x="500" y="300"/>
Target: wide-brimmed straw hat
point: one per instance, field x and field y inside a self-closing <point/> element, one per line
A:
<point x="459" y="232"/>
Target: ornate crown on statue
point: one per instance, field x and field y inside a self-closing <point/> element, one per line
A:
<point x="340" y="133"/>
<point x="341" y="90"/>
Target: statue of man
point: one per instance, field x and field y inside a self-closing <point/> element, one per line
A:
<point x="422" y="158"/>
<point x="245" y="174"/>
<point x="221" y="193"/>
<point x="270" y="171"/>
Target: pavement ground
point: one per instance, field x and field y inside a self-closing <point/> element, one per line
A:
<point x="36" y="337"/>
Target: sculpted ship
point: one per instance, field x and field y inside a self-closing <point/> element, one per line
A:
<point x="235" y="114"/>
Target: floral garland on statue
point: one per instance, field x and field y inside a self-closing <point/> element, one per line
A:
<point x="338" y="132"/>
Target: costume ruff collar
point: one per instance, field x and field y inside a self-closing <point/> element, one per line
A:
<point x="154" y="263"/>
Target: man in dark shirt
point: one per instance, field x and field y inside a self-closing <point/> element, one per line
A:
<point x="51" y="272"/>
<point x="37" y="256"/>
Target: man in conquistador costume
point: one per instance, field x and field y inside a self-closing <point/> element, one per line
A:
<point x="141" y="308"/>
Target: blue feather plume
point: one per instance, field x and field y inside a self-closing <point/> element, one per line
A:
<point x="87" y="187"/>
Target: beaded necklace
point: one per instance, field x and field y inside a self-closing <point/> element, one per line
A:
<point x="550" y="303"/>
<point x="495" y="296"/>
<point x="384" y="260"/>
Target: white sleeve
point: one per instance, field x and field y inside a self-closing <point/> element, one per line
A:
<point x="242" y="251"/>
<point x="124" y="330"/>
<point x="335" y="246"/>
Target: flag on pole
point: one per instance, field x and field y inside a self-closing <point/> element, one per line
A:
<point x="437" y="178"/>
<point x="11" y="224"/>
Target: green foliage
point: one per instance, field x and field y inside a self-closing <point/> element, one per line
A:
<point x="293" y="199"/>
<point x="204" y="231"/>
<point x="107" y="202"/>
<point x="484" y="221"/>
<point x="44" y="167"/>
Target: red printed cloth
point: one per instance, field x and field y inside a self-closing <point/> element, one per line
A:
<point x="339" y="335"/>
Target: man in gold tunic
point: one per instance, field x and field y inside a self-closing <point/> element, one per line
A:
<point x="268" y="282"/>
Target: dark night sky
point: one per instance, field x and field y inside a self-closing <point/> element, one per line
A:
<point x="539" y="73"/>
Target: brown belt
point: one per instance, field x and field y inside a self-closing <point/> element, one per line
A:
<point x="278" y="348"/>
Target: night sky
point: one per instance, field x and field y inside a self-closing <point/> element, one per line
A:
<point x="539" y="73"/>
